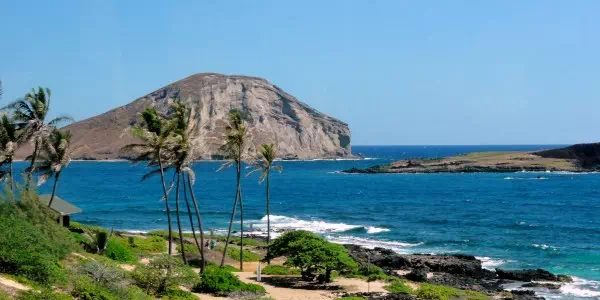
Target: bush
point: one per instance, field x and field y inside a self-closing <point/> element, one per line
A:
<point x="25" y="250"/>
<point x="279" y="270"/>
<point x="108" y="275"/>
<point x="154" y="280"/>
<point x="119" y="252"/>
<point x="440" y="292"/>
<point x="221" y="282"/>
<point x="43" y="295"/>
<point x="85" y="288"/>
<point x="312" y="254"/>
<point x="173" y="293"/>
<point x="397" y="287"/>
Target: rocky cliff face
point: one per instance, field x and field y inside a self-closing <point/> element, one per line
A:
<point x="273" y="116"/>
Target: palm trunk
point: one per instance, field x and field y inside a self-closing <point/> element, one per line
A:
<point x="202" y="266"/>
<point x="31" y="166"/>
<point x="268" y="215"/>
<point x="241" y="230"/>
<point x="164" y="186"/>
<point x="179" y="218"/>
<point x="10" y="176"/>
<point x="54" y="188"/>
<point x="187" y="204"/>
<point x="237" y="194"/>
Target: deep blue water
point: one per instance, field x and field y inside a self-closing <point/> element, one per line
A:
<point x="519" y="220"/>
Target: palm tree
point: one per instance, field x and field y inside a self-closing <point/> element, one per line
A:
<point x="30" y="114"/>
<point x="234" y="149"/>
<point x="184" y="150"/>
<point x="8" y="146"/>
<point x="155" y="133"/>
<point x="54" y="156"/>
<point x="264" y="164"/>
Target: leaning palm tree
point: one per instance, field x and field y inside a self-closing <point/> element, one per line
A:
<point x="184" y="150"/>
<point x="154" y="133"/>
<point x="8" y="146"/>
<point x="234" y="149"/>
<point x="264" y="164"/>
<point x="54" y="156"/>
<point x="30" y="114"/>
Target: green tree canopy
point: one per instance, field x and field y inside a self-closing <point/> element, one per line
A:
<point x="312" y="254"/>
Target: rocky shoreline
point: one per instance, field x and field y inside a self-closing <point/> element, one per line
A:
<point x="459" y="271"/>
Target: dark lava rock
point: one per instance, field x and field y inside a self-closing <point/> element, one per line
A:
<point x="418" y="274"/>
<point x="457" y="264"/>
<point x="380" y="296"/>
<point x="550" y="286"/>
<point x="564" y="278"/>
<point x="526" y="275"/>
<point x="524" y="295"/>
<point x="466" y="283"/>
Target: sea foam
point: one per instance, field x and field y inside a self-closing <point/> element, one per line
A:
<point x="283" y="223"/>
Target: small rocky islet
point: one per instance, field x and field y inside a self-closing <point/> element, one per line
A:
<point x="575" y="158"/>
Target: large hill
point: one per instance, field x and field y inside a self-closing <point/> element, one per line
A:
<point x="273" y="116"/>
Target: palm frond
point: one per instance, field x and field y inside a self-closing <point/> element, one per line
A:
<point x="61" y="119"/>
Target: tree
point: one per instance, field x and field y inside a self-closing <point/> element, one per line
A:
<point x="155" y="134"/>
<point x="30" y="114"/>
<point x="312" y="254"/>
<point x="264" y="164"/>
<point x="54" y="156"/>
<point x="184" y="151"/>
<point x="8" y="146"/>
<point x="234" y="149"/>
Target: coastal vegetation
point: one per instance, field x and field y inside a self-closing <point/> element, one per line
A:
<point x="91" y="262"/>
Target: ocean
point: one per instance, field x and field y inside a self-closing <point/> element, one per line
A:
<point x="516" y="220"/>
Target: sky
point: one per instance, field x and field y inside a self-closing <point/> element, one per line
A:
<point x="398" y="72"/>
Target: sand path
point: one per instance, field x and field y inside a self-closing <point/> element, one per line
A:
<point x="9" y="284"/>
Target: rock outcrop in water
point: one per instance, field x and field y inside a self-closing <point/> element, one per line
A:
<point x="273" y="116"/>
<point x="576" y="158"/>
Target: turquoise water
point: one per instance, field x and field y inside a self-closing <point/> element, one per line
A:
<point x="517" y="220"/>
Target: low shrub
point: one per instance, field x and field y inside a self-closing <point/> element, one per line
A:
<point x="43" y="295"/>
<point x="279" y="270"/>
<point x="86" y="289"/>
<point x="27" y="251"/>
<point x="119" y="252"/>
<point x="106" y="274"/>
<point x="473" y="295"/>
<point x="440" y="292"/>
<point x="174" y="293"/>
<point x="154" y="279"/>
<point x="352" y="298"/>
<point x="398" y="287"/>
<point x="221" y="282"/>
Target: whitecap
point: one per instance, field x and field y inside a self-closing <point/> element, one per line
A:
<point x="545" y="247"/>
<point x="374" y="230"/>
<point x="397" y="246"/>
<point x="581" y="288"/>
<point x="282" y="223"/>
<point x="490" y="263"/>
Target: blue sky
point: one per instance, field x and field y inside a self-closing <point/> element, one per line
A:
<point x="399" y="72"/>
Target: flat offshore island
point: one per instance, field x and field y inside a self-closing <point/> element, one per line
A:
<point x="576" y="158"/>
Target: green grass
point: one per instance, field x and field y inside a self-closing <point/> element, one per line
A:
<point x="144" y="246"/>
<point x="279" y="270"/>
<point x="440" y="292"/>
<point x="398" y="287"/>
<point x="234" y="252"/>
